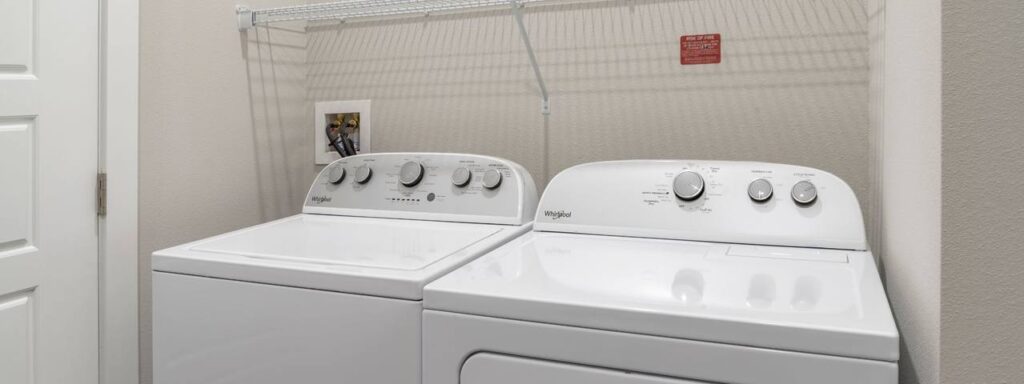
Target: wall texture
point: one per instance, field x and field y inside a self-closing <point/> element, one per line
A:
<point x="222" y="143"/>
<point x="907" y="148"/>
<point x="982" y="211"/>
<point x="225" y="136"/>
<point x="792" y="87"/>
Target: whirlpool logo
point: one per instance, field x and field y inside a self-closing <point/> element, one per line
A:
<point x="560" y="214"/>
<point x="321" y="199"/>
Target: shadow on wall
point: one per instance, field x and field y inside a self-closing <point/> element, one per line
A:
<point x="281" y="117"/>
<point x="792" y="87"/>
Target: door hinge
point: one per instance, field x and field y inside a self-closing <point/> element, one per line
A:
<point x="101" y="194"/>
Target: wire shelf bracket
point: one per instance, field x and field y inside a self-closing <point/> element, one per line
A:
<point x="344" y="10"/>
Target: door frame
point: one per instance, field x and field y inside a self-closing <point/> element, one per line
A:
<point x="119" y="158"/>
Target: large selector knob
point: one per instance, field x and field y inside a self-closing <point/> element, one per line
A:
<point x="760" y="190"/>
<point x="336" y="175"/>
<point x="804" y="193"/>
<point x="688" y="185"/>
<point x="363" y="174"/>
<point x="461" y="176"/>
<point x="411" y="174"/>
<point x="492" y="179"/>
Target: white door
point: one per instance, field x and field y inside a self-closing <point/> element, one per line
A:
<point x="48" y="160"/>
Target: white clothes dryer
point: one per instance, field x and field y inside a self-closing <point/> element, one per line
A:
<point x="333" y="295"/>
<point x="643" y="272"/>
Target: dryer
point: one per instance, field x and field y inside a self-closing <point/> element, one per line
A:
<point x="333" y="295"/>
<point x="643" y="272"/>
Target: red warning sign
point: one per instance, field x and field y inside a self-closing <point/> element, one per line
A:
<point x="700" y="49"/>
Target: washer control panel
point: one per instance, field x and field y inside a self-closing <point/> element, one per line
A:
<point x="425" y="186"/>
<point x="736" y="202"/>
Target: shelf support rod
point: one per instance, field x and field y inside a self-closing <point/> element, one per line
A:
<point x="517" y="13"/>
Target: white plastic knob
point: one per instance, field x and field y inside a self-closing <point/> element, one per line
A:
<point x="688" y="185"/>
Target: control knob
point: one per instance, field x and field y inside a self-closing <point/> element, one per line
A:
<point x="492" y="179"/>
<point x="336" y="175"/>
<point x="363" y="174"/>
<point x="760" y="190"/>
<point x="411" y="174"/>
<point x="688" y="185"/>
<point x="461" y="177"/>
<point x="804" y="193"/>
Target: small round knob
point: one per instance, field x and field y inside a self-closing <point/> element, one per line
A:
<point x="760" y="190"/>
<point x="363" y="174"/>
<point x="461" y="177"/>
<point x="688" y="185"/>
<point x="492" y="179"/>
<point x="804" y="193"/>
<point x="411" y="174"/>
<point x="336" y="174"/>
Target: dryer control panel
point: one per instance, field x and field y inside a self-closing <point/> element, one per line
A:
<point x="425" y="186"/>
<point x="720" y="201"/>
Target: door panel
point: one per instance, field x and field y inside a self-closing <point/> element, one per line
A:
<point x="16" y="339"/>
<point x="16" y="46"/>
<point x="16" y="170"/>
<point x="49" y="78"/>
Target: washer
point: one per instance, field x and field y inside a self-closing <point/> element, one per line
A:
<point x="643" y="272"/>
<point x="333" y="294"/>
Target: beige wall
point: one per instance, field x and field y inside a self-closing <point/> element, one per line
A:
<point x="982" y="210"/>
<point x="948" y="151"/>
<point x="792" y="88"/>
<point x="224" y="140"/>
<point x="225" y="137"/>
<point x="907" y="141"/>
<point x="221" y="144"/>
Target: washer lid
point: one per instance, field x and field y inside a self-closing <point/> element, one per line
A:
<point x="797" y="299"/>
<point x="385" y="257"/>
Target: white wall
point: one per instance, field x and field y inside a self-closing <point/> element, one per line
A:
<point x="222" y="144"/>
<point x="982" y="209"/>
<point x="907" y="134"/>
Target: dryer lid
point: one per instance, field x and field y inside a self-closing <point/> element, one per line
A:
<point x="386" y="257"/>
<point x="796" y="299"/>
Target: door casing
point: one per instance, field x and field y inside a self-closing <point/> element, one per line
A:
<point x="118" y="158"/>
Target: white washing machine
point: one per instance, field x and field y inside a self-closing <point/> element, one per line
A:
<point x="643" y="272"/>
<point x="333" y="295"/>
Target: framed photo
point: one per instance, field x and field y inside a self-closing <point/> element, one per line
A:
<point x="349" y="119"/>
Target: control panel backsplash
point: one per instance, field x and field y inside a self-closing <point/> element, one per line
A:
<point x="720" y="201"/>
<point x="425" y="186"/>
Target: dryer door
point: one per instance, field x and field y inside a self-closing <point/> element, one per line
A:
<point x="489" y="368"/>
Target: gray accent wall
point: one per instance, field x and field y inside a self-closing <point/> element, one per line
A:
<point x="982" y="208"/>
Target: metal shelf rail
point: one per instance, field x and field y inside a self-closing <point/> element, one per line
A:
<point x="349" y="10"/>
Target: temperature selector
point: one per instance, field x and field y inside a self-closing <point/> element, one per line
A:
<point x="688" y="185"/>
<point x="492" y="179"/>
<point x="411" y="174"/>
<point x="760" y="190"/>
<point x="337" y="174"/>
<point x="363" y="174"/>
<point x="461" y="177"/>
<point x="805" y="193"/>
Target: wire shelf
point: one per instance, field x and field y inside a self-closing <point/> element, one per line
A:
<point x="356" y="9"/>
